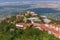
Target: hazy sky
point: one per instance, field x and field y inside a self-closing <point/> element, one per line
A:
<point x="25" y="0"/>
<point x="39" y="3"/>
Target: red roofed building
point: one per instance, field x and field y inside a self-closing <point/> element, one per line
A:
<point x="22" y="25"/>
<point x="50" y="28"/>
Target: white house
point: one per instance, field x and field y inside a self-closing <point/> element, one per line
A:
<point x="44" y="16"/>
<point x="33" y="19"/>
<point x="46" y="20"/>
<point x="57" y="28"/>
<point x="19" y="25"/>
<point x="33" y="14"/>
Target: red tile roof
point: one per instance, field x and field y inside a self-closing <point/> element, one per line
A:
<point x="43" y="27"/>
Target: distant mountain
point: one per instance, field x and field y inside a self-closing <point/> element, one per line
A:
<point x="1" y="7"/>
<point x="10" y="10"/>
<point x="44" y="10"/>
<point x="15" y="9"/>
<point x="15" y="6"/>
<point x="49" y="12"/>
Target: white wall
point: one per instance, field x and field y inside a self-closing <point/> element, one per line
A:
<point x="19" y="25"/>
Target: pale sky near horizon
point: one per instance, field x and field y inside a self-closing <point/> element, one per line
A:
<point x="25" y="0"/>
<point x="45" y="3"/>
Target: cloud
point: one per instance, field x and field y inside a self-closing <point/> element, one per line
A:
<point x="15" y="3"/>
<point x="48" y="4"/>
<point x="40" y="4"/>
<point x="9" y="3"/>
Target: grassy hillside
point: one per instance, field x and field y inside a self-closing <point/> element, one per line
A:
<point x="8" y="31"/>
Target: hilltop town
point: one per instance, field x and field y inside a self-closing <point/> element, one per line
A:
<point x="31" y="20"/>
